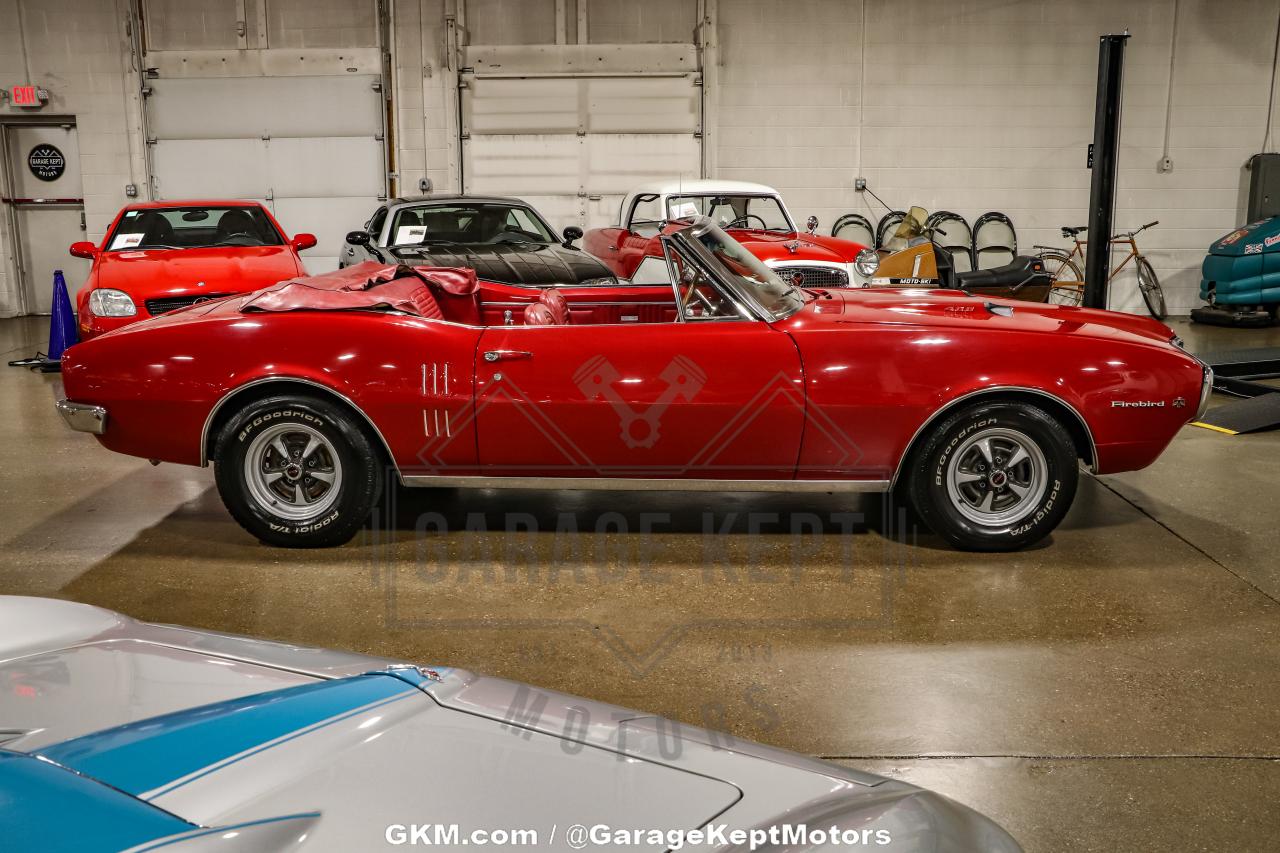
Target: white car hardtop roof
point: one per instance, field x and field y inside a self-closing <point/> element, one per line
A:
<point x="701" y="187"/>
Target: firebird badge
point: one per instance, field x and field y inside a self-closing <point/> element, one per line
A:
<point x="1179" y="402"/>
<point x="596" y="379"/>
<point x="1137" y="404"/>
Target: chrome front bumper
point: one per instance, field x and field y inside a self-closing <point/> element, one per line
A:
<point x="83" y="417"/>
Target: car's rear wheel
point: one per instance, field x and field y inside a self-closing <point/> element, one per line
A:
<point x="297" y="472"/>
<point x="994" y="476"/>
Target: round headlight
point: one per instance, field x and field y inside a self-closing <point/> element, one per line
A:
<point x="867" y="262"/>
<point x="105" y="302"/>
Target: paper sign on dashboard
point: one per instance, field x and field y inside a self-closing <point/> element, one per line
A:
<point x="126" y="241"/>
<point x="408" y="234"/>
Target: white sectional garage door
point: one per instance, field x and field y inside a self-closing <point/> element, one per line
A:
<point x="574" y="145"/>
<point x="308" y="146"/>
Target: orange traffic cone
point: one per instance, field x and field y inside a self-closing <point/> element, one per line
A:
<point x="62" y="331"/>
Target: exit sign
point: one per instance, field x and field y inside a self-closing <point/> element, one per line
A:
<point x="24" y="96"/>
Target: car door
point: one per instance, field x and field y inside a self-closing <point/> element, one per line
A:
<point x="692" y="400"/>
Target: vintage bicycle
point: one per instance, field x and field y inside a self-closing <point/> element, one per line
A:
<point x="1068" y="279"/>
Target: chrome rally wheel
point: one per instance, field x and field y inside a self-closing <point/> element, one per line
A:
<point x="293" y="471"/>
<point x="299" y="471"/>
<point x="995" y="476"/>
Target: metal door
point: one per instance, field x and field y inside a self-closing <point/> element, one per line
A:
<point x="45" y="197"/>
<point x="572" y="146"/>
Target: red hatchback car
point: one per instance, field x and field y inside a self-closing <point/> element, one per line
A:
<point x="159" y="256"/>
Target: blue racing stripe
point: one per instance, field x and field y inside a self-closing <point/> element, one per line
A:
<point x="149" y="754"/>
<point x="50" y="809"/>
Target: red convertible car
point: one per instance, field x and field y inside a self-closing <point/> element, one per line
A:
<point x="752" y="214"/>
<point x="159" y="256"/>
<point x="306" y="395"/>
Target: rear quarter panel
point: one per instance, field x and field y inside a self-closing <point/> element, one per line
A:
<point x="161" y="379"/>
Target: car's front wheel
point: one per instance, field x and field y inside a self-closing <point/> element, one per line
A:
<point x="298" y="472"/>
<point x="994" y="476"/>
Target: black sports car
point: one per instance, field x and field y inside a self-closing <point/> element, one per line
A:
<point x="503" y="239"/>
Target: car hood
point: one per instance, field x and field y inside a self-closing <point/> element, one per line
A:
<point x="160" y="273"/>
<point x="338" y="747"/>
<point x="955" y="309"/>
<point x="772" y="246"/>
<point x="529" y="265"/>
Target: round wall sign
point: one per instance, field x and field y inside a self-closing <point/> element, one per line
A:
<point x="46" y="162"/>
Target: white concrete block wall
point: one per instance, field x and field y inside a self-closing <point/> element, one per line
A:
<point x="988" y="105"/>
<point x="422" y="97"/>
<point x="78" y="50"/>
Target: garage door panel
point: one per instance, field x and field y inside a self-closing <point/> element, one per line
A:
<point x="342" y="166"/>
<point x="328" y="218"/>
<point x="525" y="106"/>
<point x="228" y="107"/>
<point x="210" y="168"/>
<point x="512" y="165"/>
<point x="618" y="162"/>
<point x="642" y="105"/>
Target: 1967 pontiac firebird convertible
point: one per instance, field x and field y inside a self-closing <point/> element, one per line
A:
<point x="306" y="395"/>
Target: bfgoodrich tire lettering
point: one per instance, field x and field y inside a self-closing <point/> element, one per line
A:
<point x="297" y="472"/>
<point x="994" y="476"/>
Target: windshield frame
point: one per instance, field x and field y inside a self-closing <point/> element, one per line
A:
<point x="255" y="210"/>
<point x="394" y="217"/>
<point x="689" y="241"/>
<point x="786" y="214"/>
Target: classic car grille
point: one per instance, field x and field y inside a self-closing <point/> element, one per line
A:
<point x="173" y="303"/>
<point x="815" y="276"/>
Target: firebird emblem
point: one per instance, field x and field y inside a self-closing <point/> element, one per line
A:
<point x="596" y="379"/>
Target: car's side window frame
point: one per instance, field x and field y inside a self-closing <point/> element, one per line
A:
<point x="630" y="218"/>
<point x="744" y="313"/>
<point x="377" y="221"/>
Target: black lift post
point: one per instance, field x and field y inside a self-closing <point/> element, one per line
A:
<point x="1104" y="153"/>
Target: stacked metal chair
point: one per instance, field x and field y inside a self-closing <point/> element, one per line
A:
<point x="953" y="233"/>
<point x="855" y="227"/>
<point x="995" y="242"/>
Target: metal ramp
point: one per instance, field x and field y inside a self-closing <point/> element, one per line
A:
<point x="1236" y="372"/>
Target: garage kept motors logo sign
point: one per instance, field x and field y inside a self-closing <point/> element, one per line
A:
<point x="46" y="162"/>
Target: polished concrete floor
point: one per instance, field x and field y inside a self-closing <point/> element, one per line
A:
<point x="1117" y="688"/>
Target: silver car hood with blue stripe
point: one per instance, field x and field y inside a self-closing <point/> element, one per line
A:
<point x="254" y="738"/>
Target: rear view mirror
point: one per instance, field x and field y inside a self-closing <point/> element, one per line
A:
<point x="357" y="238"/>
<point x="83" y="249"/>
<point x="303" y="241"/>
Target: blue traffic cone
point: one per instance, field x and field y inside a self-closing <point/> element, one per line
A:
<point x="62" y="331"/>
<point x="62" y="325"/>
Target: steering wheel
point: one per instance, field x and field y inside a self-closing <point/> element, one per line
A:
<point x="516" y="235"/>
<point x="252" y="239"/>
<point x="712" y="309"/>
<point x="745" y="219"/>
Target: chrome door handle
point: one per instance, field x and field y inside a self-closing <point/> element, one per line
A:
<point x="506" y="354"/>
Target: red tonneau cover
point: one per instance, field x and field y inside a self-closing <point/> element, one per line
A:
<point x="367" y="285"/>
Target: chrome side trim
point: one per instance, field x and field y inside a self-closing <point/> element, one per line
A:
<point x="993" y="389"/>
<point x="208" y="421"/>
<point x="626" y="484"/>
<point x="83" y="417"/>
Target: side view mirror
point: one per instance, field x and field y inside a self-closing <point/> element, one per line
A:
<point x="357" y="238"/>
<point x="812" y="224"/>
<point x="83" y="249"/>
<point x="302" y="241"/>
<point x="573" y="232"/>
